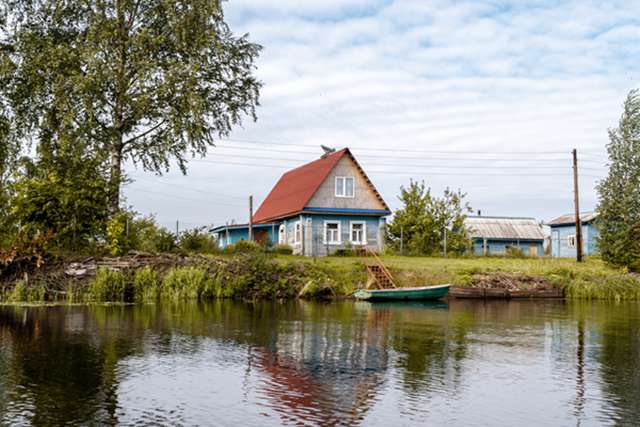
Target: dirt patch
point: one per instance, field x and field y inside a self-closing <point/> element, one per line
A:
<point x="509" y="281"/>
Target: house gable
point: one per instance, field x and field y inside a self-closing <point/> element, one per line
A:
<point x="365" y="196"/>
<point x="297" y="189"/>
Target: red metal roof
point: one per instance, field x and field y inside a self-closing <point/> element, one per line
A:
<point x="296" y="187"/>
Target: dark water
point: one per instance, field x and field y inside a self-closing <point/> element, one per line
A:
<point x="225" y="363"/>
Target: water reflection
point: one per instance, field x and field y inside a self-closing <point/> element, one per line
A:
<point x="466" y="363"/>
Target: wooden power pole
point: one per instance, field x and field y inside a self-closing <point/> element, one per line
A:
<point x="250" y="218"/>
<point x="576" y="202"/>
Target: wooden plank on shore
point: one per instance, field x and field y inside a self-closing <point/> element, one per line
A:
<point x="498" y="293"/>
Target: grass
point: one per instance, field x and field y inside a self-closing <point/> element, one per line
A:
<point x="591" y="279"/>
<point x="256" y="276"/>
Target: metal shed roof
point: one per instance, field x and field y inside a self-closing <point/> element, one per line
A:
<point x="504" y="228"/>
<point x="568" y="219"/>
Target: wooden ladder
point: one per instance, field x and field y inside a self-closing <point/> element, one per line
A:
<point x="378" y="273"/>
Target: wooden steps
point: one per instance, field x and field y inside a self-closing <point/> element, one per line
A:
<point x="379" y="275"/>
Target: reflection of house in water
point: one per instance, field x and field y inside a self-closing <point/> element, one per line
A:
<point x="325" y="372"/>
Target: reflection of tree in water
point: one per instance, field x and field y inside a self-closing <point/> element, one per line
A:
<point x="55" y="373"/>
<point x="620" y="359"/>
<point x="431" y="344"/>
<point x="325" y="364"/>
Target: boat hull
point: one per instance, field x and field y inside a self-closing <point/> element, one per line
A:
<point x="421" y="293"/>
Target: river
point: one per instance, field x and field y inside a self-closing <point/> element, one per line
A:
<point x="462" y="363"/>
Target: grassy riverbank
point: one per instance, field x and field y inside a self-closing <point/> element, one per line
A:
<point x="258" y="276"/>
<point x="592" y="279"/>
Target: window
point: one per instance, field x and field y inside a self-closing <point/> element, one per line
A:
<point x="571" y="241"/>
<point x="345" y="186"/>
<point x="332" y="233"/>
<point x="282" y="235"/>
<point x="358" y="233"/>
<point x="298" y="232"/>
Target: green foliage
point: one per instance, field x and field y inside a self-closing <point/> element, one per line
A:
<point x="423" y="218"/>
<point x="143" y="81"/>
<point x="198" y="240"/>
<point x="243" y="246"/>
<point x="514" y="252"/>
<point x="281" y="249"/>
<point x="620" y="287"/>
<point x="186" y="283"/>
<point x="109" y="286"/>
<point x="619" y="194"/>
<point x="22" y="292"/>
<point x="146" y="285"/>
<point x="126" y="231"/>
<point x="62" y="192"/>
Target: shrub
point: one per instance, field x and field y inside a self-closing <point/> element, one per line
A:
<point x="514" y="252"/>
<point x="244" y="246"/>
<point x="282" y="249"/>
<point x="109" y="286"/>
<point x="198" y="240"/>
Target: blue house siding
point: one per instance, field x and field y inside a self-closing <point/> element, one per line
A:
<point x="499" y="246"/>
<point x="312" y="238"/>
<point x="315" y="241"/>
<point x="230" y="235"/>
<point x="560" y="242"/>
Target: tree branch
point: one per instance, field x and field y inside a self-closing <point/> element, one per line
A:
<point x="143" y="134"/>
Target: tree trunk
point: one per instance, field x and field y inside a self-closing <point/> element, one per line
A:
<point x="115" y="179"/>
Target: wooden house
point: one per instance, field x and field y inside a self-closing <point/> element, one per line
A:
<point x="318" y="208"/>
<point x="563" y="235"/>
<point x="496" y="235"/>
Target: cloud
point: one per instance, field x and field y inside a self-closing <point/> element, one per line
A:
<point x="471" y="76"/>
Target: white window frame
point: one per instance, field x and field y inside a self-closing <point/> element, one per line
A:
<point x="344" y="187"/>
<point x="282" y="234"/>
<point x="364" y="232"/>
<point x="297" y="232"/>
<point x="571" y="241"/>
<point x="324" y="234"/>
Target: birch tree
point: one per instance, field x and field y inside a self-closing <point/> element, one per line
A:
<point x="148" y="81"/>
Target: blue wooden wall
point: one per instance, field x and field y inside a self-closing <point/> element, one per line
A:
<point x="560" y="240"/>
<point x="499" y="247"/>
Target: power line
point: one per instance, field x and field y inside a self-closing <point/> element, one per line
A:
<point x="426" y="165"/>
<point x="528" y="159"/>
<point x="192" y="189"/>
<point x="249" y="141"/>
<point x="402" y="172"/>
<point x="174" y="196"/>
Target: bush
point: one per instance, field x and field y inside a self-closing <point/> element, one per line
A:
<point x="198" y="240"/>
<point x="126" y="232"/>
<point x="282" y="249"/>
<point x="514" y="252"/>
<point x="110" y="286"/>
<point x="243" y="246"/>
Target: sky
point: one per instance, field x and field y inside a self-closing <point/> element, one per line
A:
<point x="486" y="96"/>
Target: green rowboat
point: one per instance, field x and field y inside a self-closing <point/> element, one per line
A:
<point x="422" y="293"/>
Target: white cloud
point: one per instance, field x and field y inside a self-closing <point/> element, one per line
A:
<point x="426" y="75"/>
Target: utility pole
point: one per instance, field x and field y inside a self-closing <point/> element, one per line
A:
<point x="250" y="218"/>
<point x="177" y="228"/>
<point x="445" y="241"/>
<point x="576" y="202"/>
<point x="401" y="240"/>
